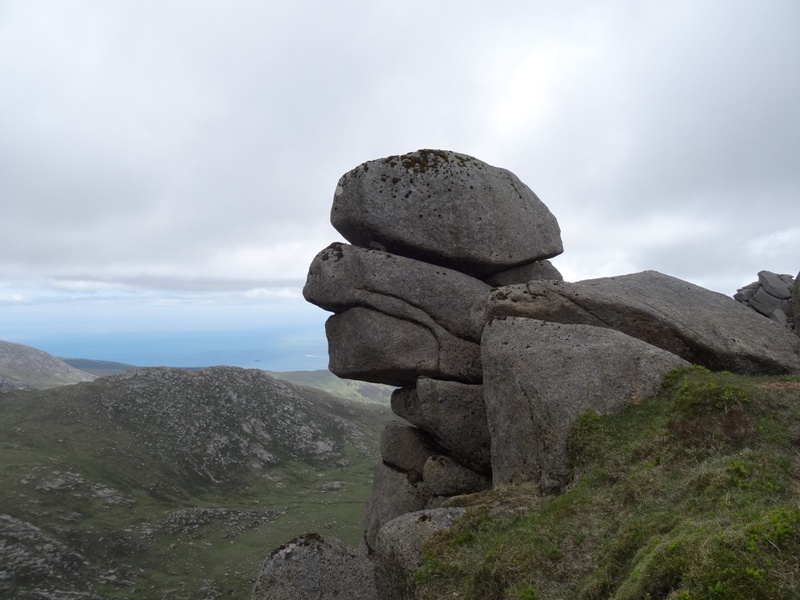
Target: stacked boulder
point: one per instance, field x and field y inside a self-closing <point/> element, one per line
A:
<point x="431" y="231"/>
<point x="771" y="296"/>
<point x="445" y="291"/>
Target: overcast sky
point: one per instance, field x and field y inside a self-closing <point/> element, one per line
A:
<point x="172" y="163"/>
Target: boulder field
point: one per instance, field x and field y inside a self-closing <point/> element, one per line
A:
<point x="445" y="291"/>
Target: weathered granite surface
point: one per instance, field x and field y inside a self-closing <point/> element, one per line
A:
<point x="540" y="377"/>
<point x="447" y="209"/>
<point x="702" y="326"/>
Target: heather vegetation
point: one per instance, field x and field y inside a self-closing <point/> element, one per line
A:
<point x="692" y="495"/>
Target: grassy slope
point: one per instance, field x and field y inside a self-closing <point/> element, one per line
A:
<point x="693" y="495"/>
<point x="127" y="517"/>
<point x="360" y="391"/>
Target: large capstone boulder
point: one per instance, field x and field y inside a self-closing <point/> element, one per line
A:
<point x="311" y="566"/>
<point x="454" y="413"/>
<point x="540" y="377"/>
<point x="398" y="554"/>
<point x="372" y="346"/>
<point x="703" y="327"/>
<point x="445" y="208"/>
<point x="342" y="276"/>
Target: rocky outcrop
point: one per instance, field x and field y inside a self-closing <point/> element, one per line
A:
<point x="770" y="296"/>
<point x="408" y="304"/>
<point x="699" y="325"/>
<point x="540" y="377"/>
<point x="311" y="566"/>
<point x="493" y="378"/>
<point x="447" y="209"/>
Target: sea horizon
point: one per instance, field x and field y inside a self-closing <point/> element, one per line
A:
<point x="268" y="350"/>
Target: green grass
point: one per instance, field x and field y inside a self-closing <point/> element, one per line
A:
<point x="692" y="495"/>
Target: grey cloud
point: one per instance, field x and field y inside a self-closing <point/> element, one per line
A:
<point x="146" y="142"/>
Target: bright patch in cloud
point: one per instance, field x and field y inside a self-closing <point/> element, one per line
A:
<point x="775" y="244"/>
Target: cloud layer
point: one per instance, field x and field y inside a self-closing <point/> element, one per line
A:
<point x="193" y="147"/>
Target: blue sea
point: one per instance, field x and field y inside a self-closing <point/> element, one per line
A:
<point x="274" y="335"/>
<point x="267" y="349"/>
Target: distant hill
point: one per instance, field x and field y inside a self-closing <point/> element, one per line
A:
<point x="172" y="483"/>
<point x="323" y="380"/>
<point x="24" y="367"/>
<point x="99" y="368"/>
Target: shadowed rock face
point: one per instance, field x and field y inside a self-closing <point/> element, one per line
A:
<point x="445" y="208"/>
<point x="372" y="346"/>
<point x="392" y="495"/>
<point x="702" y="326"/>
<point x="454" y="413"/>
<point x="342" y="276"/>
<point x="540" y="377"/>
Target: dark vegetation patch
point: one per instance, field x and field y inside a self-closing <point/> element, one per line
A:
<point x="692" y="495"/>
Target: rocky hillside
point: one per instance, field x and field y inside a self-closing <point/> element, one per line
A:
<point x="169" y="483"/>
<point x="24" y="367"/>
<point x="324" y="380"/>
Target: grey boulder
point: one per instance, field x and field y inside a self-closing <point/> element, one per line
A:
<point x="774" y="285"/>
<point x="399" y="550"/>
<point x="372" y="346"/>
<point x="342" y="276"/>
<point x="454" y="413"/>
<point x="540" y="377"/>
<point x="702" y="326"/>
<point x="311" y="566"/>
<point x="445" y="208"/>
